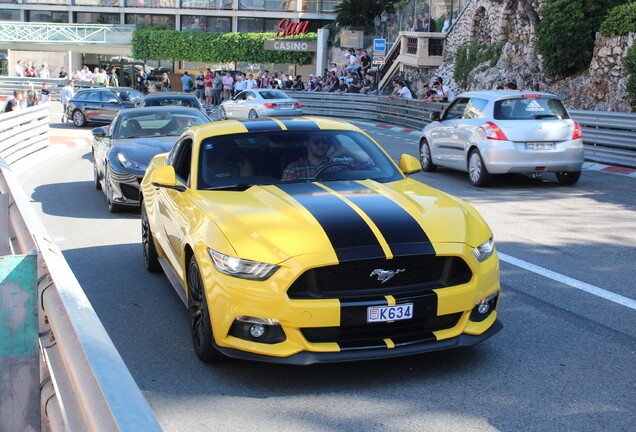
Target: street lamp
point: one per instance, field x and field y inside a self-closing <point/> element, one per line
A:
<point x="376" y="22"/>
<point x="384" y="17"/>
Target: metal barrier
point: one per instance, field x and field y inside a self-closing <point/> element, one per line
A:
<point x="24" y="132"/>
<point x="56" y="358"/>
<point x="608" y="137"/>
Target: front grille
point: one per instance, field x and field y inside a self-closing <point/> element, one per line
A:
<point x="353" y="279"/>
<point x="372" y="335"/>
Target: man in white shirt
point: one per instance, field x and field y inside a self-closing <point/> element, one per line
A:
<point x="66" y="95"/>
<point x="240" y="84"/>
<point x="19" y="70"/>
<point x="404" y="91"/>
<point x="250" y="83"/>
<point x="447" y="23"/>
<point x="44" y="71"/>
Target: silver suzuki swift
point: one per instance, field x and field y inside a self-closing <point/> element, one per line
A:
<point x="501" y="131"/>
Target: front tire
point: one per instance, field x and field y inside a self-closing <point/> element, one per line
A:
<point x="425" y="157"/>
<point x="222" y="113"/>
<point x="200" y="324"/>
<point x="151" y="257"/>
<point x="253" y="114"/>
<point x="477" y="172"/>
<point x="568" y="178"/>
<point x="79" y="119"/>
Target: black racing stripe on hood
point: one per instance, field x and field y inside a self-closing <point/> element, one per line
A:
<point x="401" y="231"/>
<point x="262" y="126"/>
<point x="350" y="236"/>
<point x="300" y="124"/>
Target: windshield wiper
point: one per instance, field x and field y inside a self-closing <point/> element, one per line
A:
<point x="234" y="186"/>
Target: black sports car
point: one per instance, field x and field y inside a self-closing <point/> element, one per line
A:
<point x="122" y="151"/>
<point x="101" y="105"/>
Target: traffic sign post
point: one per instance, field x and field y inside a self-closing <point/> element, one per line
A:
<point x="379" y="55"/>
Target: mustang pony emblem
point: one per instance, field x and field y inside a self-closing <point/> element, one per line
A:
<point x="385" y="275"/>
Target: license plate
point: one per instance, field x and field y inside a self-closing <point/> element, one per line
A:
<point x="286" y="105"/>
<point x="540" y="146"/>
<point x="390" y="313"/>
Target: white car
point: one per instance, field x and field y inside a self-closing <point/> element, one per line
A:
<point x="499" y="132"/>
<point x="257" y="103"/>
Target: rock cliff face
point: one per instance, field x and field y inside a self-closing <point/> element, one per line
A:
<point x="602" y="87"/>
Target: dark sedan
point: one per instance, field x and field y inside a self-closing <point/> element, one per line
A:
<point x="173" y="99"/>
<point x="101" y="105"/>
<point x="122" y="151"/>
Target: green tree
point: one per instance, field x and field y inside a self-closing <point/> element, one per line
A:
<point x="360" y="13"/>
<point x="565" y="35"/>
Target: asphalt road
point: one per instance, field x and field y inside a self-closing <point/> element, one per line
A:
<point x="565" y="360"/>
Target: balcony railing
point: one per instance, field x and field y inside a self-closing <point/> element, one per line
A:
<point x="65" y="33"/>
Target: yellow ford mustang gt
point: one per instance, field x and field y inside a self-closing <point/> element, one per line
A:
<point x="300" y="241"/>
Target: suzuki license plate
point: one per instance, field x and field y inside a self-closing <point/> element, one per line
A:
<point x="390" y="313"/>
<point x="540" y="146"/>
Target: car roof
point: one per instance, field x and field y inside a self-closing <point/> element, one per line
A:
<point x="173" y="109"/>
<point x="107" y="88"/>
<point x="493" y="95"/>
<point x="175" y="94"/>
<point x="304" y="123"/>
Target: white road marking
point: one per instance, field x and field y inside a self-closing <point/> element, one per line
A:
<point x="591" y="289"/>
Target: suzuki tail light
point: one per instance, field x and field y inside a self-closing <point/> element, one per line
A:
<point x="270" y="105"/>
<point x="577" y="131"/>
<point x="493" y="132"/>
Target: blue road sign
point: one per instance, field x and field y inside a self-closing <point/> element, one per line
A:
<point x="379" y="45"/>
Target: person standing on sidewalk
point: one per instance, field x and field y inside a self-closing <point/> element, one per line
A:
<point x="217" y="86"/>
<point x="187" y="82"/>
<point x="66" y="95"/>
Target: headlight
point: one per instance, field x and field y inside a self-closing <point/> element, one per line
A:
<point x="241" y="268"/>
<point x="484" y="250"/>
<point x="129" y="163"/>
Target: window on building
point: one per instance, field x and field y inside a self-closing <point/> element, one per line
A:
<point x="152" y="3"/>
<point x="268" y="5"/>
<point x="48" y="2"/>
<point x="207" y="4"/>
<point x="9" y="15"/>
<point x="147" y="20"/>
<point x="47" y="16"/>
<point x="103" y="3"/>
<point x="257" y="25"/>
<point x="206" y="24"/>
<point x="96" y="18"/>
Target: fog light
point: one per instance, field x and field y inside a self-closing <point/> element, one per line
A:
<point x="257" y="330"/>
<point x="483" y="308"/>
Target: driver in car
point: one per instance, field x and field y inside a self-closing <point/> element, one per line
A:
<point x="325" y="157"/>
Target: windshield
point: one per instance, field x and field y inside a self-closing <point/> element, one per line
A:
<point x="171" y="101"/>
<point x="242" y="160"/>
<point x="155" y="124"/>
<point x="274" y="94"/>
<point x="529" y="108"/>
<point x="129" y="95"/>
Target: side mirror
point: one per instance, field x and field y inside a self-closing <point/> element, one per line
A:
<point x="165" y="177"/>
<point x="436" y="115"/>
<point x="100" y="132"/>
<point x="409" y="164"/>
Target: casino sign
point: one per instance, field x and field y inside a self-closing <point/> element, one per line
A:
<point x="288" y="28"/>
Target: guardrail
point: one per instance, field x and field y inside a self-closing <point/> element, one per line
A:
<point x="24" y="132"/>
<point x="608" y="137"/>
<point x="56" y="359"/>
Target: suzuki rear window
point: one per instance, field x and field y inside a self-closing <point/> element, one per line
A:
<point x="529" y="109"/>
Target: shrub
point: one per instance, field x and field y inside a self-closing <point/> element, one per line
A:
<point x="620" y="20"/>
<point x="630" y="66"/>
<point x="565" y="35"/>
<point x="153" y="44"/>
<point x="469" y="57"/>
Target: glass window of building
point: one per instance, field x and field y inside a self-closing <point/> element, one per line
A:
<point x="199" y="66"/>
<point x="152" y="3"/>
<point x="96" y="18"/>
<point x="103" y="3"/>
<point x="207" y="4"/>
<point x="206" y="24"/>
<point x="9" y="15"/>
<point x="257" y="25"/>
<point x="48" y="2"/>
<point x="268" y="5"/>
<point x="147" y="20"/>
<point x="47" y="16"/>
